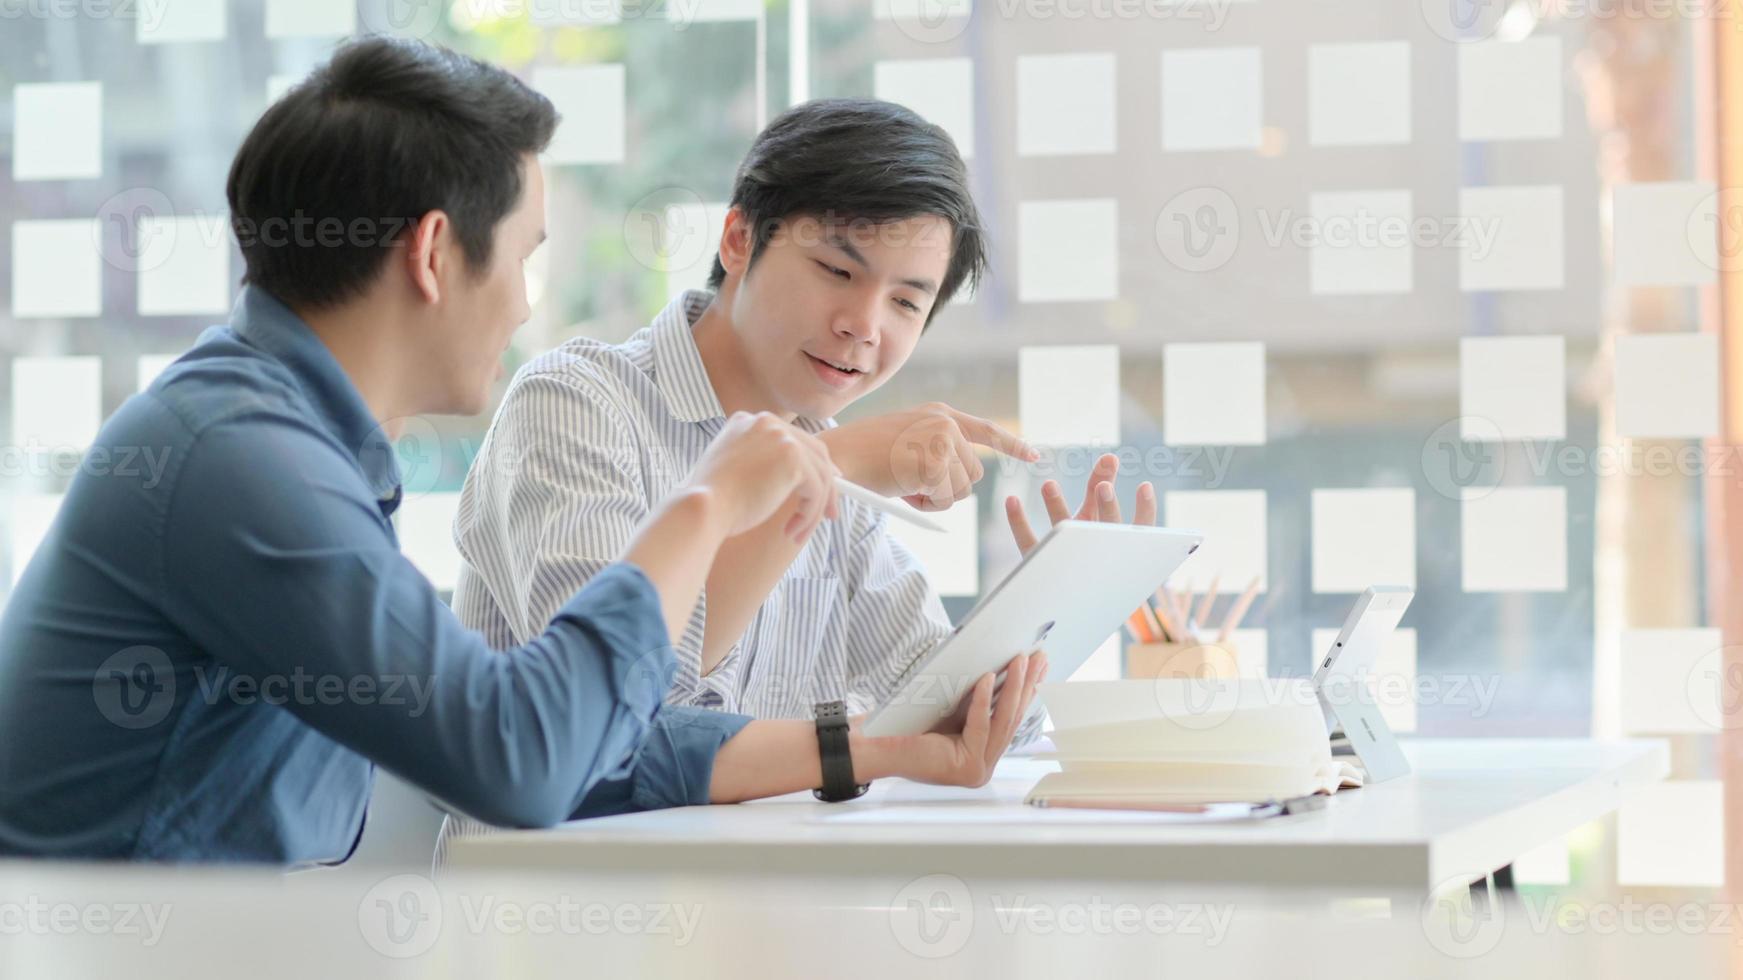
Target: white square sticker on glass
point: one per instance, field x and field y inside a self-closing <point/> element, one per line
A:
<point x="1671" y="681"/>
<point x="1358" y="94"/>
<point x="690" y="233"/>
<point x="1392" y="682"/>
<point x="591" y="101"/>
<point x="1233" y="523"/>
<point x="951" y="557"/>
<point x="57" y="269"/>
<point x="58" y="131"/>
<point x="1065" y="104"/>
<point x="1512" y="388"/>
<point x="1364" y="536"/>
<point x="1667" y="385"/>
<point x="1666" y="234"/>
<point x="1069" y="396"/>
<point x="712" y="11"/>
<point x="29" y="517"/>
<point x="426" y="536"/>
<point x="1362" y="243"/>
<point x="1511" y="238"/>
<point x="1068" y="251"/>
<point x="310" y="18"/>
<point x="278" y="85"/>
<point x="175" y="21"/>
<point x="1213" y="394"/>
<point x="1510" y="90"/>
<point x="1671" y="834"/>
<point x="152" y="365"/>
<point x="941" y="90"/>
<point x="1212" y="99"/>
<point x="57" y="403"/>
<point x="184" y="265"/>
<point x="1514" y="539"/>
<point x="1251" y="647"/>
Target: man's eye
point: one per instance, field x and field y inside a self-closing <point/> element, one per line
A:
<point x="911" y="307"/>
<point x="832" y="270"/>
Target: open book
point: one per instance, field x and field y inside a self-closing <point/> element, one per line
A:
<point x="1189" y="741"/>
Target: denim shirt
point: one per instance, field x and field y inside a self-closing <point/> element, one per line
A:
<point x="207" y="657"/>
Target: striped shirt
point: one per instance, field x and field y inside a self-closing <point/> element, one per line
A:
<point x="588" y="439"/>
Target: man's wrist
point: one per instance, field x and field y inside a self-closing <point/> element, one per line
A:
<point x="840" y="453"/>
<point x="872" y="757"/>
<point x="702" y="510"/>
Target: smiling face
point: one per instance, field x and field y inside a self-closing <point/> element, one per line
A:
<point x="828" y="312"/>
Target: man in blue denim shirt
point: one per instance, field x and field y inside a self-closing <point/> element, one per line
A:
<point x="206" y="664"/>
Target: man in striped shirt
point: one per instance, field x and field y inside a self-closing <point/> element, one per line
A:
<point x="851" y="224"/>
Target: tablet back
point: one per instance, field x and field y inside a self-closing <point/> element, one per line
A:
<point x="1070" y="592"/>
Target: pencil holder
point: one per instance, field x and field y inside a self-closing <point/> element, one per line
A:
<point x="1145" y="661"/>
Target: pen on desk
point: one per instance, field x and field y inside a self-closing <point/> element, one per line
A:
<point x="854" y="491"/>
<point x="1103" y="804"/>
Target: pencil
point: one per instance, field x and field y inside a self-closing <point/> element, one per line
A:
<point x="1141" y="630"/>
<point x="1154" y="623"/>
<point x="1238" y="610"/>
<point x="1169" y="627"/>
<point x="1203" y="614"/>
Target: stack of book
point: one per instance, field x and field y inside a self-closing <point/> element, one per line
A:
<point x="1188" y="741"/>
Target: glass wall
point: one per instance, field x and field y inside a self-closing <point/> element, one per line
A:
<point x="1417" y="293"/>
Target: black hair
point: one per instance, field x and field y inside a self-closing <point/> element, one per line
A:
<point x="338" y="169"/>
<point x="858" y="160"/>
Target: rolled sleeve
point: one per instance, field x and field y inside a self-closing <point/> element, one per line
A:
<point x="674" y="767"/>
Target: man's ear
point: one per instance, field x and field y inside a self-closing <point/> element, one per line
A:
<point x="736" y="242"/>
<point x="427" y="254"/>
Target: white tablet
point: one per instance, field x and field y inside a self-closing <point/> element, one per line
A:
<point x="1071" y="591"/>
<point x="1341" y="680"/>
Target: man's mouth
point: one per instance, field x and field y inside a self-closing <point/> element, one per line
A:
<point x="834" y="372"/>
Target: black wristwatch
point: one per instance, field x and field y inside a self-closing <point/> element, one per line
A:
<point x="838" y="784"/>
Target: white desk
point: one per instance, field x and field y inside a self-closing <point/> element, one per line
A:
<point x="1470" y="806"/>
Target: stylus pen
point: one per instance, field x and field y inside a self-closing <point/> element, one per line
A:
<point x="888" y="506"/>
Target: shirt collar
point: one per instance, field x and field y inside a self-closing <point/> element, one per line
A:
<point x="270" y="326"/>
<point x="678" y="369"/>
